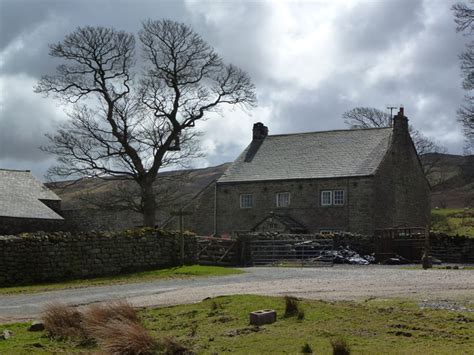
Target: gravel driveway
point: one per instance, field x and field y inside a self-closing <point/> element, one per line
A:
<point x="329" y="283"/>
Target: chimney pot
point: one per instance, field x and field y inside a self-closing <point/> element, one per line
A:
<point x="260" y="131"/>
<point x="400" y="121"/>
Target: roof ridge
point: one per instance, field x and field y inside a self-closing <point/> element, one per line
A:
<point x="330" y="131"/>
<point x="16" y="170"/>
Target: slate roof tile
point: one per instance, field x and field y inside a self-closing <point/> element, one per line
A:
<point x="20" y="195"/>
<point x="315" y="155"/>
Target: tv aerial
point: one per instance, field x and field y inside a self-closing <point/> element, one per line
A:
<point x="392" y="107"/>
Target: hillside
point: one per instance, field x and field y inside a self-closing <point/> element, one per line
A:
<point x="176" y="187"/>
<point x="452" y="181"/>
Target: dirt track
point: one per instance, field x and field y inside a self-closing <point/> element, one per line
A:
<point x="329" y="283"/>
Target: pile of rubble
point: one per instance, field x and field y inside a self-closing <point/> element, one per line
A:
<point x="345" y="255"/>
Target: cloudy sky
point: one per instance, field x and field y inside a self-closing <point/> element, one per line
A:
<point x="310" y="60"/>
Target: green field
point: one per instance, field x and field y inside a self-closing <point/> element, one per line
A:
<point x="221" y="325"/>
<point x="453" y="221"/>
<point x="144" y="276"/>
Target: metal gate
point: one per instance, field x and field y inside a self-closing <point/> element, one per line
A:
<point x="300" y="251"/>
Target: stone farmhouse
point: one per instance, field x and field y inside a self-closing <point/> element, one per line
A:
<point x="26" y="205"/>
<point x="355" y="180"/>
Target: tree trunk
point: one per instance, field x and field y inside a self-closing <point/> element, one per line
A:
<point x="149" y="205"/>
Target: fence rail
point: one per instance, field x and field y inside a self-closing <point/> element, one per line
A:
<point x="217" y="251"/>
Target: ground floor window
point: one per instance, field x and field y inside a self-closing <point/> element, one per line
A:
<point x="283" y="199"/>
<point x="246" y="200"/>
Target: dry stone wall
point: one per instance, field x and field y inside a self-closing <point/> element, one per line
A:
<point x="42" y="257"/>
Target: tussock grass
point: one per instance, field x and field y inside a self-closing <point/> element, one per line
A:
<point x="306" y="349"/>
<point x="115" y="326"/>
<point x="340" y="347"/>
<point x="291" y="306"/>
<point x="62" y="322"/>
<point x="98" y="314"/>
<point x="124" y="337"/>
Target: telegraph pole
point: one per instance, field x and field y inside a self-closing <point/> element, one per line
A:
<point x="180" y="213"/>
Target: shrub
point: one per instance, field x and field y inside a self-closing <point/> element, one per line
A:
<point x="300" y="315"/>
<point x="62" y="321"/>
<point x="291" y="306"/>
<point x="125" y="337"/>
<point x="306" y="349"/>
<point x="340" y="347"/>
<point x="215" y="306"/>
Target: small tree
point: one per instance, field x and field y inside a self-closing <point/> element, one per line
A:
<point x="126" y="124"/>
<point x="464" y="18"/>
<point x="369" y="117"/>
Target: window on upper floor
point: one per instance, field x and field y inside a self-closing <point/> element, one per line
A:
<point x="332" y="198"/>
<point x="246" y="200"/>
<point x="326" y="198"/>
<point x="338" y="197"/>
<point x="283" y="199"/>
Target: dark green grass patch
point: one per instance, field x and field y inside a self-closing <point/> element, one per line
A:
<point x="144" y="276"/>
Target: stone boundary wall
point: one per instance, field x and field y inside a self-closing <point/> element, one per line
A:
<point x="456" y="249"/>
<point x="43" y="257"/>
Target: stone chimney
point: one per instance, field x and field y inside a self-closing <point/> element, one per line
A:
<point x="260" y="131"/>
<point x="400" y="122"/>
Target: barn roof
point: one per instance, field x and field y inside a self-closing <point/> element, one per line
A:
<point x="20" y="195"/>
<point x="315" y="155"/>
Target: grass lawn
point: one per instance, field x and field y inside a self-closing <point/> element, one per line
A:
<point x="220" y="325"/>
<point x="453" y="221"/>
<point x="160" y="274"/>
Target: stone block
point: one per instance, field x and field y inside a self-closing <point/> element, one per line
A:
<point x="263" y="316"/>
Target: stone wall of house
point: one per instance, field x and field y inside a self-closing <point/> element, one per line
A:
<point x="201" y="219"/>
<point x="42" y="257"/>
<point x="10" y="225"/>
<point x="356" y="215"/>
<point x="402" y="193"/>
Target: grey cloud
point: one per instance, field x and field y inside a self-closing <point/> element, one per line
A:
<point x="239" y="32"/>
<point x="24" y="121"/>
<point x="376" y="25"/>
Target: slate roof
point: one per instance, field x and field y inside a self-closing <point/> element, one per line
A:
<point x="315" y="155"/>
<point x="20" y="195"/>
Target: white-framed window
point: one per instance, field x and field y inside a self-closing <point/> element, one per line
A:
<point x="338" y="197"/>
<point x="332" y="198"/>
<point x="326" y="198"/>
<point x="246" y="200"/>
<point x="283" y="199"/>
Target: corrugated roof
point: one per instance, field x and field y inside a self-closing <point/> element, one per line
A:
<point x="20" y="195"/>
<point x="316" y="155"/>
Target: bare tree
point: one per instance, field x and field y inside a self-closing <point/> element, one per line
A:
<point x="464" y="18"/>
<point x="126" y="124"/>
<point x="369" y="117"/>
